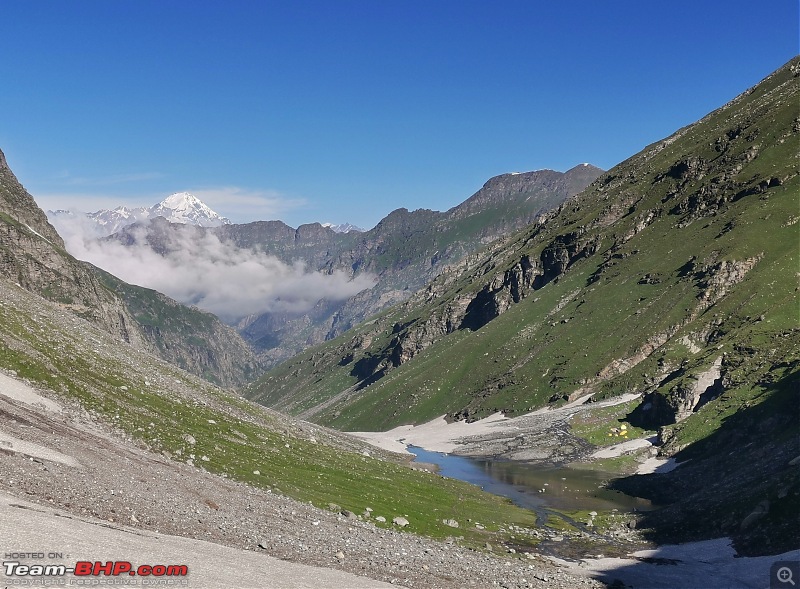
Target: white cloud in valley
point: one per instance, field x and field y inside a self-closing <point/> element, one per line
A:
<point x="200" y="269"/>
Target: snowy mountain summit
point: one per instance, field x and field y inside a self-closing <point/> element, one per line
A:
<point x="180" y="207"/>
<point x="186" y="208"/>
<point x="343" y="228"/>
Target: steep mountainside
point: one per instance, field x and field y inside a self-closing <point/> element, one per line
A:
<point x="404" y="251"/>
<point x="646" y="257"/>
<point x="187" y="337"/>
<point x="32" y="254"/>
<point x="673" y="276"/>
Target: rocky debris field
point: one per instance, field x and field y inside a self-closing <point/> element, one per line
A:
<point x="542" y="436"/>
<point x="115" y="482"/>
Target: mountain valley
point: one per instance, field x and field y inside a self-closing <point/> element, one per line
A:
<point x="641" y="322"/>
<point x="393" y="260"/>
<point x="672" y="277"/>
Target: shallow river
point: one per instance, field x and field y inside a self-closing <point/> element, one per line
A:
<point x="535" y="487"/>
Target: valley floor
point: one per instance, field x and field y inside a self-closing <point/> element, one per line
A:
<point x="70" y="485"/>
<point x="544" y="436"/>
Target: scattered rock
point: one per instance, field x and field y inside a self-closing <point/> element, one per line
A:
<point x="450" y="522"/>
<point x="760" y="511"/>
<point x="189" y="439"/>
<point x="400" y="521"/>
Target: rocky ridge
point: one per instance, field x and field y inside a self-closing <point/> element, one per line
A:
<point x="672" y="277"/>
<point x="404" y="252"/>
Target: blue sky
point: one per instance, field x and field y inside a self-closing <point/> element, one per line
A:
<point x="344" y="110"/>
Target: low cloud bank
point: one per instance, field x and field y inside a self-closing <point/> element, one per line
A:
<point x="199" y="269"/>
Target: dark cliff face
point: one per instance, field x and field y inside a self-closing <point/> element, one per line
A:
<point x="20" y="206"/>
<point x="32" y="255"/>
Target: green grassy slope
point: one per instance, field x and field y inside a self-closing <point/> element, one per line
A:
<point x="677" y="267"/>
<point x="683" y="247"/>
<point x="155" y="405"/>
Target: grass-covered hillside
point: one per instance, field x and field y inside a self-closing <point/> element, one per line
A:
<point x="681" y="255"/>
<point x="159" y="407"/>
<point x="674" y="275"/>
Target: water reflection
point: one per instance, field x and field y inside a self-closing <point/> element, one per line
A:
<point x="535" y="487"/>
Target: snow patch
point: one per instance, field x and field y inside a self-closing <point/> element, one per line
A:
<point x="343" y="227"/>
<point x="32" y="230"/>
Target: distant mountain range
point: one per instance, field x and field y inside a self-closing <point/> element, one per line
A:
<point x="180" y="207"/>
<point x="403" y="252"/>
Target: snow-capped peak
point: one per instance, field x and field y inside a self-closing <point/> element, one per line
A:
<point x="180" y="207"/>
<point x="343" y="228"/>
<point x="183" y="207"/>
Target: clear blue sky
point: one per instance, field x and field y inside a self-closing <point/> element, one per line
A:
<point x="345" y="110"/>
